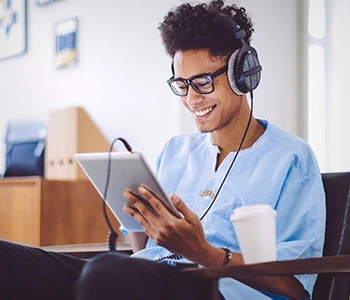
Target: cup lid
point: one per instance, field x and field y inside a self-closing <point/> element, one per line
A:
<point x="249" y="211"/>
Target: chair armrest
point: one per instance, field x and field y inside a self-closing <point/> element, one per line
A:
<point x="280" y="272"/>
<point x="326" y="264"/>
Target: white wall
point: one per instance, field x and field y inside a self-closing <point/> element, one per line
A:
<point x="120" y="78"/>
<point x="337" y="143"/>
<point x="276" y="40"/>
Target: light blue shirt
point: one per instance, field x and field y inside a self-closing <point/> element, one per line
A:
<point x="279" y="169"/>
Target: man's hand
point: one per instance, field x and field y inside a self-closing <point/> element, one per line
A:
<point x="183" y="236"/>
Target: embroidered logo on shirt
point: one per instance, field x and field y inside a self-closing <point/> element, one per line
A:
<point x="208" y="193"/>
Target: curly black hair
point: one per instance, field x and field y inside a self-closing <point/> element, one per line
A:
<point x="204" y="26"/>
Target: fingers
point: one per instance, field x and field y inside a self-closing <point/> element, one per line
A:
<point x="135" y="202"/>
<point x="132" y="211"/>
<point x="144" y="208"/>
<point x="146" y="203"/>
<point x="152" y="202"/>
<point x="189" y="215"/>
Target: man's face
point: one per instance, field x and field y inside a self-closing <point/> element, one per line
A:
<point x="213" y="111"/>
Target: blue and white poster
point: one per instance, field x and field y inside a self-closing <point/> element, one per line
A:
<point x="66" y="43"/>
<point x="13" y="31"/>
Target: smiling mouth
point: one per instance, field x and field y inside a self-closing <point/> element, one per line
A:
<point x="202" y="113"/>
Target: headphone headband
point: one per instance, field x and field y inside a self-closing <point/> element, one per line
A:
<point x="238" y="32"/>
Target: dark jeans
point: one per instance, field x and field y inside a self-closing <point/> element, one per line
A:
<point x="31" y="273"/>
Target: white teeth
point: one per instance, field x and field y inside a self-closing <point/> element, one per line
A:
<point x="201" y="113"/>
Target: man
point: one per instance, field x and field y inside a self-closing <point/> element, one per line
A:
<point x="272" y="166"/>
<point x="233" y="160"/>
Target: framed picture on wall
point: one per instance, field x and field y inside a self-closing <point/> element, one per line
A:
<point x="13" y="28"/>
<point x="66" y="43"/>
<point x="44" y="2"/>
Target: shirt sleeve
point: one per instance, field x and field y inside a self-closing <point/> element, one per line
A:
<point x="300" y="223"/>
<point x="301" y="219"/>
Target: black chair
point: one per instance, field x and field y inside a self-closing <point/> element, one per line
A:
<point x="337" y="237"/>
<point x="333" y="280"/>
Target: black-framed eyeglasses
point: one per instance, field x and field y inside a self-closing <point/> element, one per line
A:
<point x="202" y="84"/>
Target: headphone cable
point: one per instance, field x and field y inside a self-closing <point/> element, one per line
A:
<point x="178" y="257"/>
<point x="112" y="235"/>
<point x="234" y="159"/>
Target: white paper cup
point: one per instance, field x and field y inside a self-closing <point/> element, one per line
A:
<point x="255" y="227"/>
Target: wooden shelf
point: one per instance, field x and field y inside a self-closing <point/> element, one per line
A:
<point x="40" y="212"/>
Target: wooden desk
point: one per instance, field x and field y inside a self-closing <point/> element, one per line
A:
<point x="41" y="212"/>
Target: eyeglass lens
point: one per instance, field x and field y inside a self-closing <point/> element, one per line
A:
<point x="201" y="85"/>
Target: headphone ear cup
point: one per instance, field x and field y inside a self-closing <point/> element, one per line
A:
<point x="251" y="72"/>
<point x="231" y="72"/>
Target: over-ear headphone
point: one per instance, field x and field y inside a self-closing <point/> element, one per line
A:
<point x="243" y="65"/>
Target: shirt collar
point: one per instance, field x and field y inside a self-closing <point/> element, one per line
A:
<point x="215" y="148"/>
<point x="211" y="146"/>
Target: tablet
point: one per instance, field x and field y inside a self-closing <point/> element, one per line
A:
<point x="127" y="171"/>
